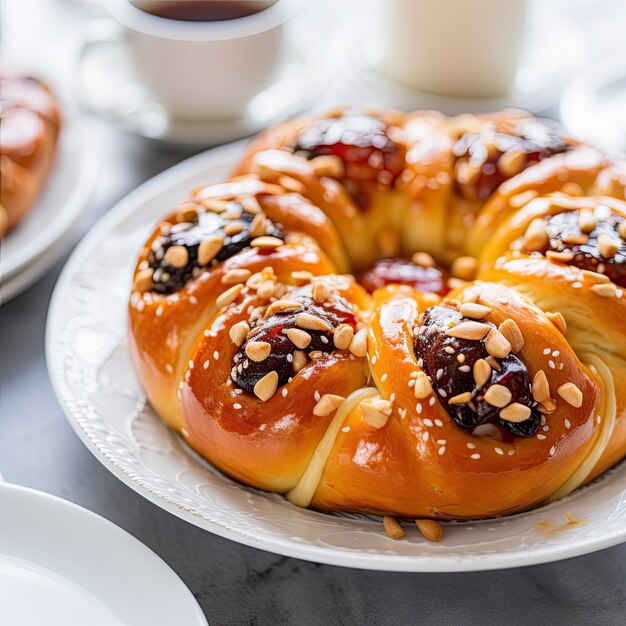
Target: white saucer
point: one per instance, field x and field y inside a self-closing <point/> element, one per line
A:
<point x="56" y="211"/>
<point x="107" y="86"/>
<point x="553" y="51"/>
<point x="593" y="107"/>
<point x="90" y="369"/>
<point x="62" y="565"/>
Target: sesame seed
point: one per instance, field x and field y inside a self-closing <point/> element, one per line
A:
<point x="499" y="451"/>
<point x="475" y="456"/>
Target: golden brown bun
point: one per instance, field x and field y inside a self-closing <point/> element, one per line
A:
<point x="252" y="339"/>
<point x="449" y="472"/>
<point x="594" y="308"/>
<point x="30" y="126"/>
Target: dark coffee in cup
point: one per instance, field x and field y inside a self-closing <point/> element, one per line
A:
<point x="202" y="10"/>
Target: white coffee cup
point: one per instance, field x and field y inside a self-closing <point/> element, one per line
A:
<point x="468" y="48"/>
<point x="201" y="71"/>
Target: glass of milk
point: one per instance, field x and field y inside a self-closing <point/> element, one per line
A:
<point x="466" y="48"/>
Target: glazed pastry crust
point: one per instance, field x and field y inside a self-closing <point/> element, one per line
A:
<point x="279" y="368"/>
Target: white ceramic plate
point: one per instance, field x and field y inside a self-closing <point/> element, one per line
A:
<point x="90" y="368"/>
<point x="554" y="50"/>
<point x="593" y="107"/>
<point x="63" y="565"/>
<point x="58" y="208"/>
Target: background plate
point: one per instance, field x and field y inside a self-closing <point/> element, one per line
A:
<point x="92" y="375"/>
<point x="61" y="564"/>
<point x="60" y="205"/>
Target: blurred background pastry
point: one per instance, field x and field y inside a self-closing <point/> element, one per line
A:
<point x="30" y="121"/>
